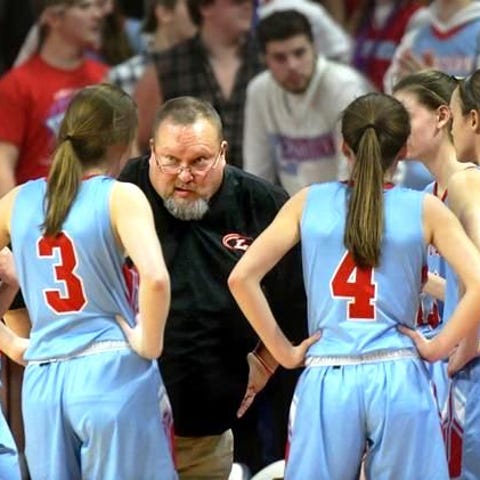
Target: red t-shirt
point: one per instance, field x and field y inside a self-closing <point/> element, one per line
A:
<point x="33" y="100"/>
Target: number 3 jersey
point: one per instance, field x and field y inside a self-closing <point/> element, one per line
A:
<point x="358" y="310"/>
<point x="73" y="284"/>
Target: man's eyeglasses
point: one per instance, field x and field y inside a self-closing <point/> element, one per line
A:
<point x="198" y="168"/>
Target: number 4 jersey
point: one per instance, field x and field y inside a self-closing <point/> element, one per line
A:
<point x="73" y="284"/>
<point x="357" y="309"/>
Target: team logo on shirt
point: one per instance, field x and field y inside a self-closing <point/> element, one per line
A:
<point x="236" y="241"/>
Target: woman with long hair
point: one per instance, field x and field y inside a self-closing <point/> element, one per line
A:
<point x="364" y="249"/>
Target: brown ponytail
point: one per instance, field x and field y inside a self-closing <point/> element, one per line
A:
<point x="97" y="117"/>
<point x="375" y="127"/>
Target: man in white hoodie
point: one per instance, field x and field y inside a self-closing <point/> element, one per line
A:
<point x="291" y="133"/>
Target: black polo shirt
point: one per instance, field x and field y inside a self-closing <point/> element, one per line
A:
<point x="207" y="337"/>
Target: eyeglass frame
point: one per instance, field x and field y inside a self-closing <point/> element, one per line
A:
<point x="188" y="168"/>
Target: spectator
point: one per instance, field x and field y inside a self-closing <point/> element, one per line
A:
<point x="120" y="36"/>
<point x="449" y="41"/>
<point x="167" y="23"/>
<point x="34" y="96"/>
<point x="330" y="39"/>
<point x="292" y="109"/>
<point x="380" y="26"/>
<point x="215" y="65"/>
<point x="206" y="215"/>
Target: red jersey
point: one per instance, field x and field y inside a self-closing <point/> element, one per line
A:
<point x="33" y="100"/>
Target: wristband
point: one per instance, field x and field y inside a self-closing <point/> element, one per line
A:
<point x="263" y="363"/>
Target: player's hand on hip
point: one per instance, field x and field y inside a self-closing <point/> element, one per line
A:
<point x="135" y="334"/>
<point x="424" y="346"/>
<point x="297" y="358"/>
<point x="17" y="350"/>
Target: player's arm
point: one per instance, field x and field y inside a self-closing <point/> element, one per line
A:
<point x="435" y="286"/>
<point x="244" y="281"/>
<point x="466" y="208"/>
<point x="444" y="231"/>
<point x="11" y="344"/>
<point x="132" y="220"/>
<point x="8" y="159"/>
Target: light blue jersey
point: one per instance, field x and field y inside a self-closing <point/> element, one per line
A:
<point x="80" y="273"/>
<point x="431" y="309"/>
<point x="456" y="51"/>
<point x="364" y="387"/>
<point x="430" y="314"/>
<point x="461" y="418"/>
<point x="100" y="409"/>
<point x="359" y="310"/>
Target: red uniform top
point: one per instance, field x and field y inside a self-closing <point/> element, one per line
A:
<point x="33" y="100"/>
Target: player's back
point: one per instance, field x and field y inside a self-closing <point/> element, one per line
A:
<point x="73" y="284"/>
<point x="358" y="310"/>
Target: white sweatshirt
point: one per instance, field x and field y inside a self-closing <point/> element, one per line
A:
<point x="295" y="138"/>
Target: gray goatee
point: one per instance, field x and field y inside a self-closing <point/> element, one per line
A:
<point x="186" y="210"/>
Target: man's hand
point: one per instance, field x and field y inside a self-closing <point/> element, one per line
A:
<point x="258" y="375"/>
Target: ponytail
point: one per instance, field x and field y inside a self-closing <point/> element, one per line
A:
<point x="375" y="126"/>
<point x="62" y="187"/>
<point x="364" y="223"/>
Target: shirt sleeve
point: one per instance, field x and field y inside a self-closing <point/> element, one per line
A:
<point x="14" y="106"/>
<point x="257" y="154"/>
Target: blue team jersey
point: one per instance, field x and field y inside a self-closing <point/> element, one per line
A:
<point x="358" y="310"/>
<point x="456" y="52"/>
<point x="74" y="284"/>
